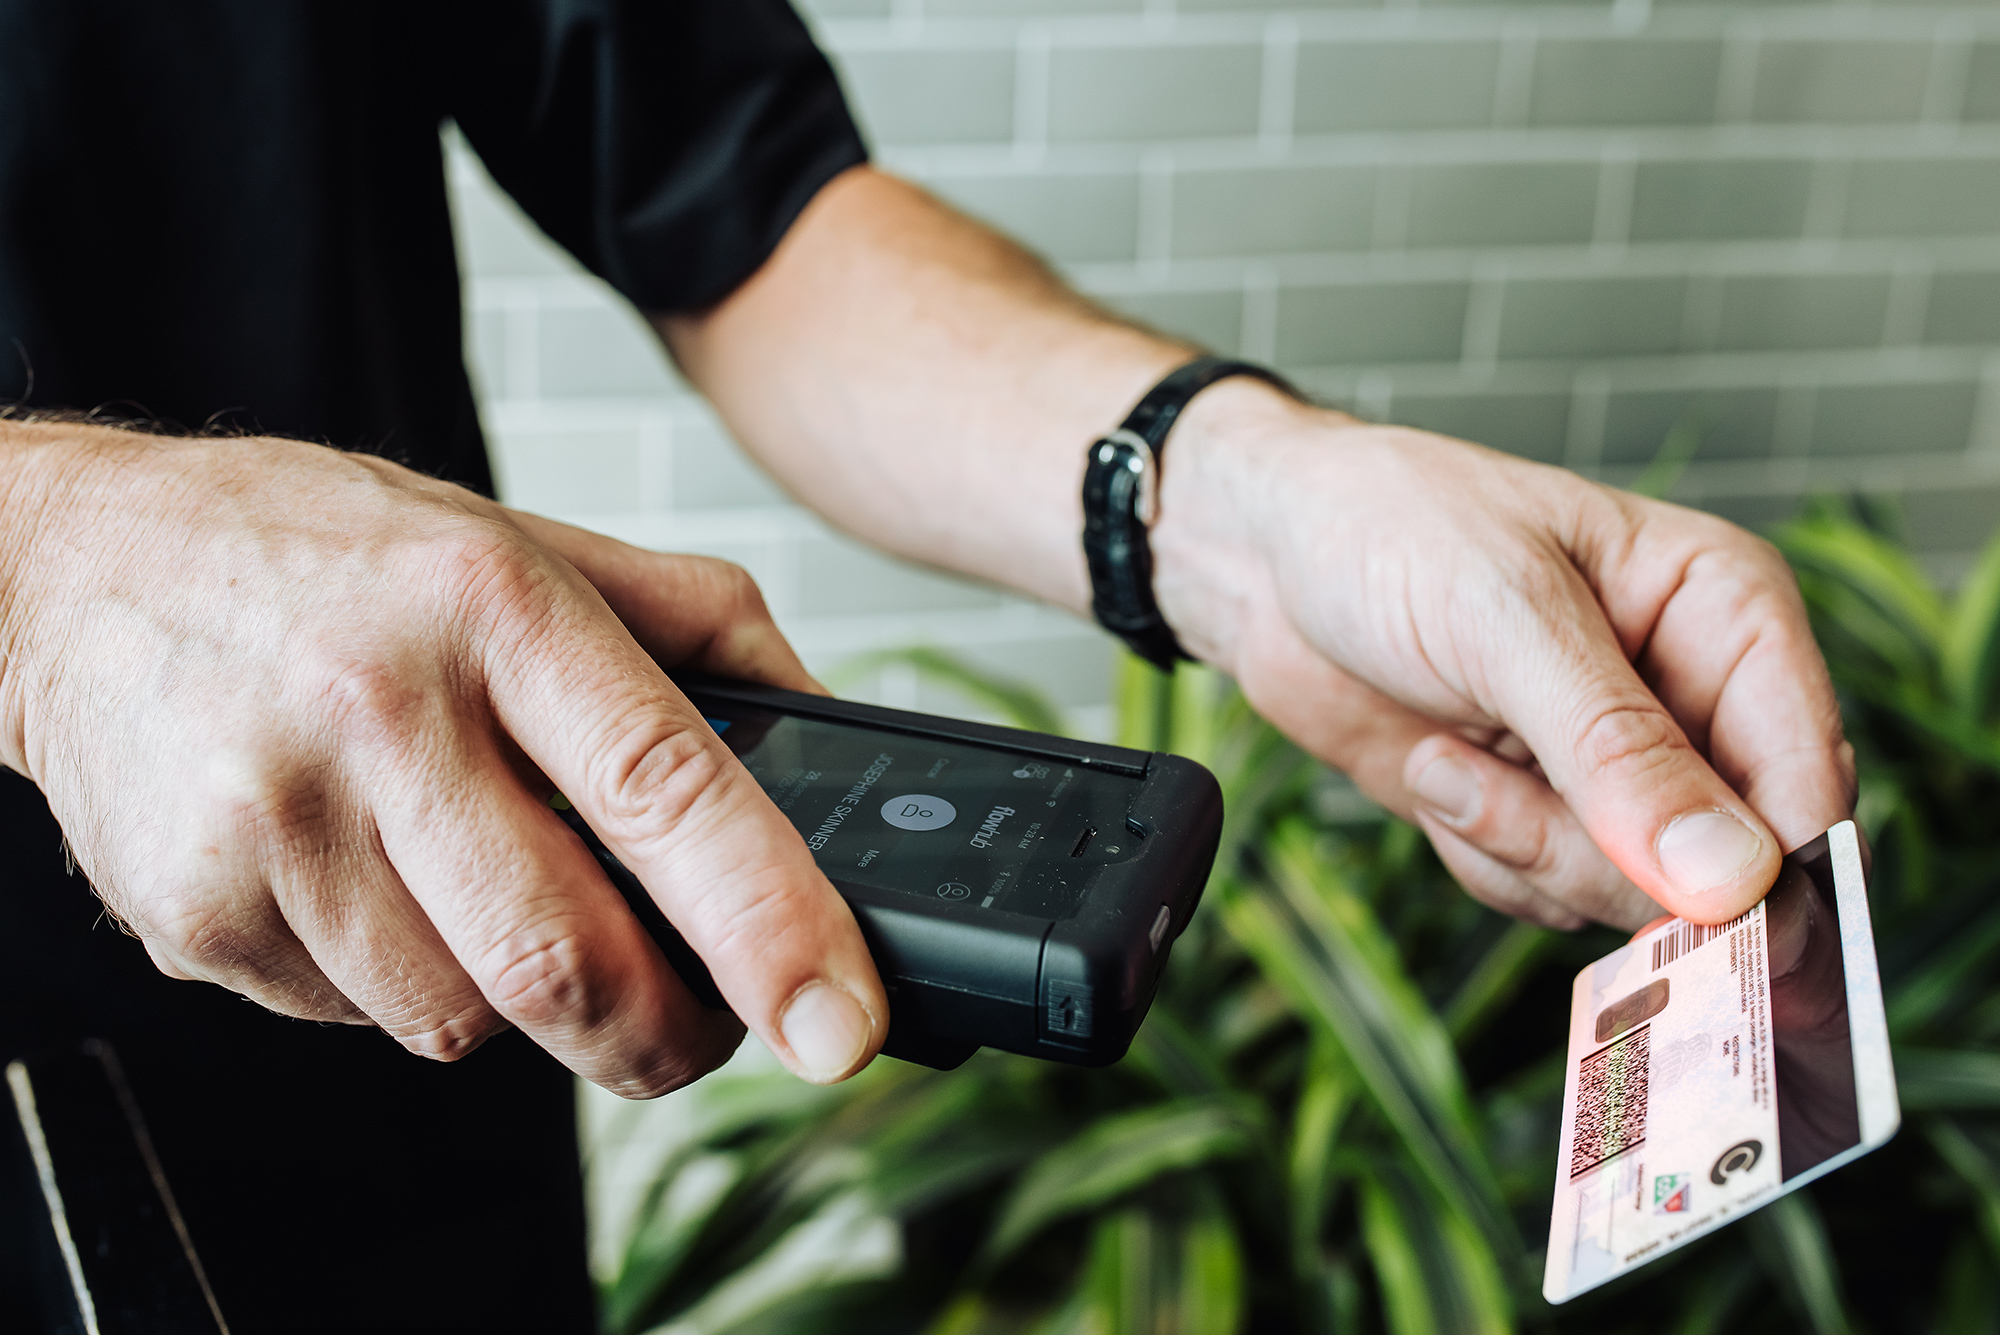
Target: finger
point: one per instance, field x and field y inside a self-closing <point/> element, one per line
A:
<point x="1660" y="921"/>
<point x="1334" y="716"/>
<point x="230" y="933"/>
<point x="1620" y="760"/>
<point x="352" y="912"/>
<point x="1515" y="835"/>
<point x="694" y="611"/>
<point x="206" y="915"/>
<point x="1493" y="883"/>
<point x="1733" y="658"/>
<point x="532" y="925"/>
<point x="727" y="869"/>
<point x="1371" y="738"/>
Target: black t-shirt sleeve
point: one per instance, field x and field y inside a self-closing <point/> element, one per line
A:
<point x="667" y="144"/>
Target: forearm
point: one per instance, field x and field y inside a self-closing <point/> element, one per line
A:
<point x="924" y="383"/>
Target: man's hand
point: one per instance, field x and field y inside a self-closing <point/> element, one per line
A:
<point x="1580" y="695"/>
<point x="1573" y="690"/>
<point x="299" y="713"/>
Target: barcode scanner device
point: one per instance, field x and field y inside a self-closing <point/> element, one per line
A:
<point x="1017" y="890"/>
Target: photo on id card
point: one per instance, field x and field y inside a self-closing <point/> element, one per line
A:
<point x="1713" y="1069"/>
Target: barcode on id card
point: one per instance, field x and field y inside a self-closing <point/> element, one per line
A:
<point x="1611" y="1093"/>
<point x="1688" y="936"/>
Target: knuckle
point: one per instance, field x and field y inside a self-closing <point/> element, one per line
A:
<point x="745" y="619"/>
<point x="754" y="911"/>
<point x="743" y="594"/>
<point x="682" y="1066"/>
<point x="1763" y="552"/>
<point x="1554" y="916"/>
<point x="1538" y="853"/>
<point x="540" y="975"/>
<point x="1494" y="888"/>
<point x="655" y="774"/>
<point x="728" y="580"/>
<point x="273" y="803"/>
<point x="196" y="929"/>
<point x="1628" y="741"/>
<point x="447" y="1038"/>
<point x="479" y="568"/>
<point x="232" y="945"/>
<point x="306" y="995"/>
<point x="372" y="700"/>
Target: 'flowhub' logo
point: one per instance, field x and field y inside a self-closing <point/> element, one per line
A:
<point x="989" y="829"/>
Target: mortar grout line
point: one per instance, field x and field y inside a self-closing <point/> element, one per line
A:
<point x="1945" y="82"/>
<point x="1031" y="93"/>
<point x="1277" y="93"/>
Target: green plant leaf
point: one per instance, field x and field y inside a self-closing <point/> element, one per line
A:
<point x="1976" y="1167"/>
<point x="1501" y="971"/>
<point x="1971" y="650"/>
<point x="1964" y="960"/>
<point x="1112" y="1157"/>
<point x="1320" y="993"/>
<point x="1171" y="1054"/>
<point x="1436" y="1274"/>
<point x="967" y="1314"/>
<point x="1714" y="1301"/>
<point x="1321" y="944"/>
<point x="1877" y="575"/>
<point x="692" y="1195"/>
<point x="844" y="1242"/>
<point x="1969" y="1301"/>
<point x="1121" y="1272"/>
<point x="1145" y="705"/>
<point x="1324" y="1102"/>
<point x="1931" y="1080"/>
<point x="1677" y="451"/>
<point x="1195" y="719"/>
<point x="1212" y="1298"/>
<point x="1796" y="1255"/>
<point x="1019" y="704"/>
<point x="1399" y="1271"/>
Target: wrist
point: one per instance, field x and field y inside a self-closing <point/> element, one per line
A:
<point x="29" y="491"/>
<point x="58" y="512"/>
<point x="1238" y="449"/>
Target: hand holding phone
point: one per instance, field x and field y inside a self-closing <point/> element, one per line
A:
<point x="1017" y="890"/>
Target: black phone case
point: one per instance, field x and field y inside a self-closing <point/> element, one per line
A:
<point x="961" y="978"/>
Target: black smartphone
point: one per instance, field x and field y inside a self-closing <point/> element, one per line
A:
<point x="1017" y="890"/>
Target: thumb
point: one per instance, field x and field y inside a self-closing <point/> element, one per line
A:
<point x="727" y="868"/>
<point x="1646" y="796"/>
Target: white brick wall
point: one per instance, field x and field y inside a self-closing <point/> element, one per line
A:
<point x="1559" y="229"/>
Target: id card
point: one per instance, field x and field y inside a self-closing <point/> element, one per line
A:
<point x="1713" y="1069"/>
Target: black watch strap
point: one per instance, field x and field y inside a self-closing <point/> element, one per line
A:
<point x="1120" y="482"/>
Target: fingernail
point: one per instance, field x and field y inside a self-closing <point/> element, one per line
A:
<point x="1449" y="787"/>
<point x="826" y="1030"/>
<point x="1706" y="850"/>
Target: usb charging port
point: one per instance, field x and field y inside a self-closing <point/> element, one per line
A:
<point x="1083" y="841"/>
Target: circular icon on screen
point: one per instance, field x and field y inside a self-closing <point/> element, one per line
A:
<point x="919" y="811"/>
<point x="1738" y="1158"/>
<point x="953" y="890"/>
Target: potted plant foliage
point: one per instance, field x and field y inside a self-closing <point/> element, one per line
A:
<point x="1342" y="1114"/>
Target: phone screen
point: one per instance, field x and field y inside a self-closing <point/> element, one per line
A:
<point x="937" y="819"/>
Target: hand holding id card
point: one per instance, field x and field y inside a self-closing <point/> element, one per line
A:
<point x="1714" y="1069"/>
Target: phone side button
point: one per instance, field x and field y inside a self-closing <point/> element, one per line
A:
<point x="1161" y="921"/>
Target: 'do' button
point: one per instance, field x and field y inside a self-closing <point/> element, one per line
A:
<point x="919" y="811"/>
